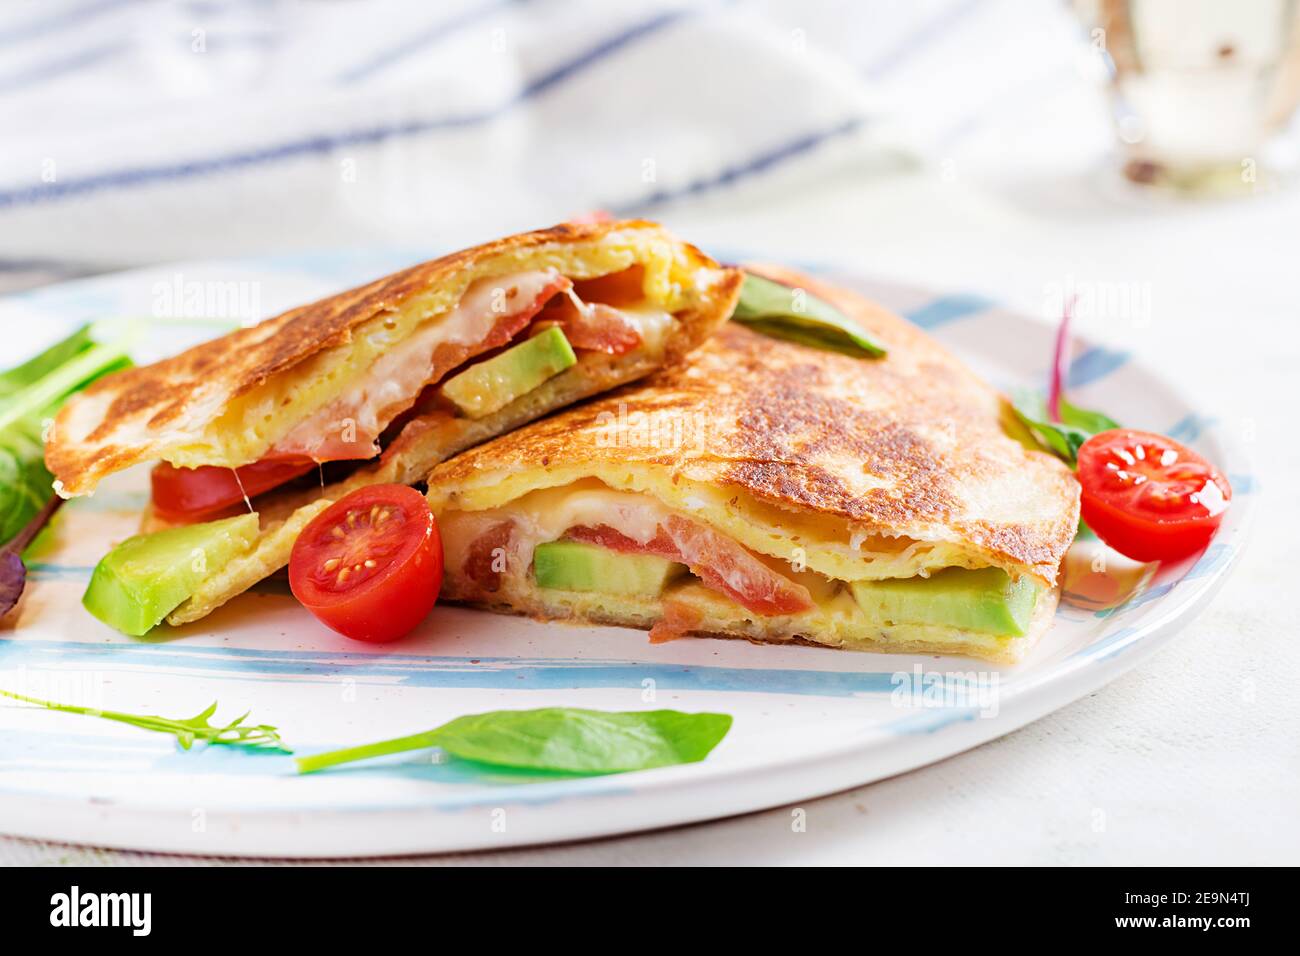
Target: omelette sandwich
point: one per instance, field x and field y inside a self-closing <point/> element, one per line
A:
<point x="380" y="383"/>
<point x="777" y="492"/>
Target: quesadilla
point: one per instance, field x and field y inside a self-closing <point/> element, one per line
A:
<point x="382" y="382"/>
<point x="778" y="492"/>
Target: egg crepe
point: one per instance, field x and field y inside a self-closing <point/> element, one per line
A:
<point x="777" y="492"/>
<point x="365" y="377"/>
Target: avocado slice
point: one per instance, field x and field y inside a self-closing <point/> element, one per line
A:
<point x="145" y="578"/>
<point x="483" y="388"/>
<point x="984" y="600"/>
<point x="578" y="566"/>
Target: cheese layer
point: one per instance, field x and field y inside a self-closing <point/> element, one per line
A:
<point x="832" y="547"/>
<point x="350" y="426"/>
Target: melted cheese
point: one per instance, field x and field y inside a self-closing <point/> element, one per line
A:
<point x="653" y="323"/>
<point x="349" y="426"/>
<point x="546" y="514"/>
<point x="825" y="544"/>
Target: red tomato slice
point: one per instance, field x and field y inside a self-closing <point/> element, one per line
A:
<point x="482" y="564"/>
<point x="596" y="326"/>
<point x="679" y="619"/>
<point x="601" y="328"/>
<point x="721" y="563"/>
<point x="370" y="565"/>
<point x="318" y="436"/>
<point x="1148" y="497"/>
<point x="190" y="494"/>
<point x="615" y="288"/>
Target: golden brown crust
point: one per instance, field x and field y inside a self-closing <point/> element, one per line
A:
<point x="909" y="445"/>
<point x="697" y="324"/>
<point x="186" y="392"/>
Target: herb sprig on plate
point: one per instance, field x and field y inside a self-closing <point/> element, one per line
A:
<point x="236" y="733"/>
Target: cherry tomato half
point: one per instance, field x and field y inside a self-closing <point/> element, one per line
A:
<point x="1148" y="497"/>
<point x="188" y="494"/>
<point x="370" y="565"/>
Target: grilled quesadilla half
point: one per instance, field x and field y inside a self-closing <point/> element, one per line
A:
<point x="777" y="492"/>
<point x="382" y="382"/>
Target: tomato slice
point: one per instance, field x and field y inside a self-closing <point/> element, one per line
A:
<point x="189" y="494"/>
<point x="481" y="562"/>
<point x="601" y="328"/>
<point x="370" y="565"/>
<point x="372" y="407"/>
<point x="1148" y="497"/>
<point x="615" y="288"/>
<point x="719" y="562"/>
<point x="594" y="326"/>
<point x="678" y="620"/>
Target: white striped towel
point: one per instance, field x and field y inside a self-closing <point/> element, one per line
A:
<point x="146" y="131"/>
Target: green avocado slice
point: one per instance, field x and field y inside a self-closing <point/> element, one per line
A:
<point x="578" y="566"/>
<point x="984" y="600"/>
<point x="493" y="384"/>
<point x="145" y="578"/>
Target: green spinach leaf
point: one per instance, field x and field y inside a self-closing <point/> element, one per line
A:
<point x="24" y="480"/>
<point x="20" y="376"/>
<point x="1063" y="438"/>
<point x="44" y="395"/>
<point x="30" y="394"/>
<point x="557" y="739"/>
<point x="797" y="315"/>
<point x="1085" y="420"/>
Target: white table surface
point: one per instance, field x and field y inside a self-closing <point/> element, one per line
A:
<point x="1168" y="764"/>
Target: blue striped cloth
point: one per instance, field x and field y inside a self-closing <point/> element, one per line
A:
<point x="145" y="131"/>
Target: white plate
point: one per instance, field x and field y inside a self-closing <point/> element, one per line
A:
<point x="808" y="721"/>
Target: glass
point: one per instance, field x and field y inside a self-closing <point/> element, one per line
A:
<point x="1199" y="88"/>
